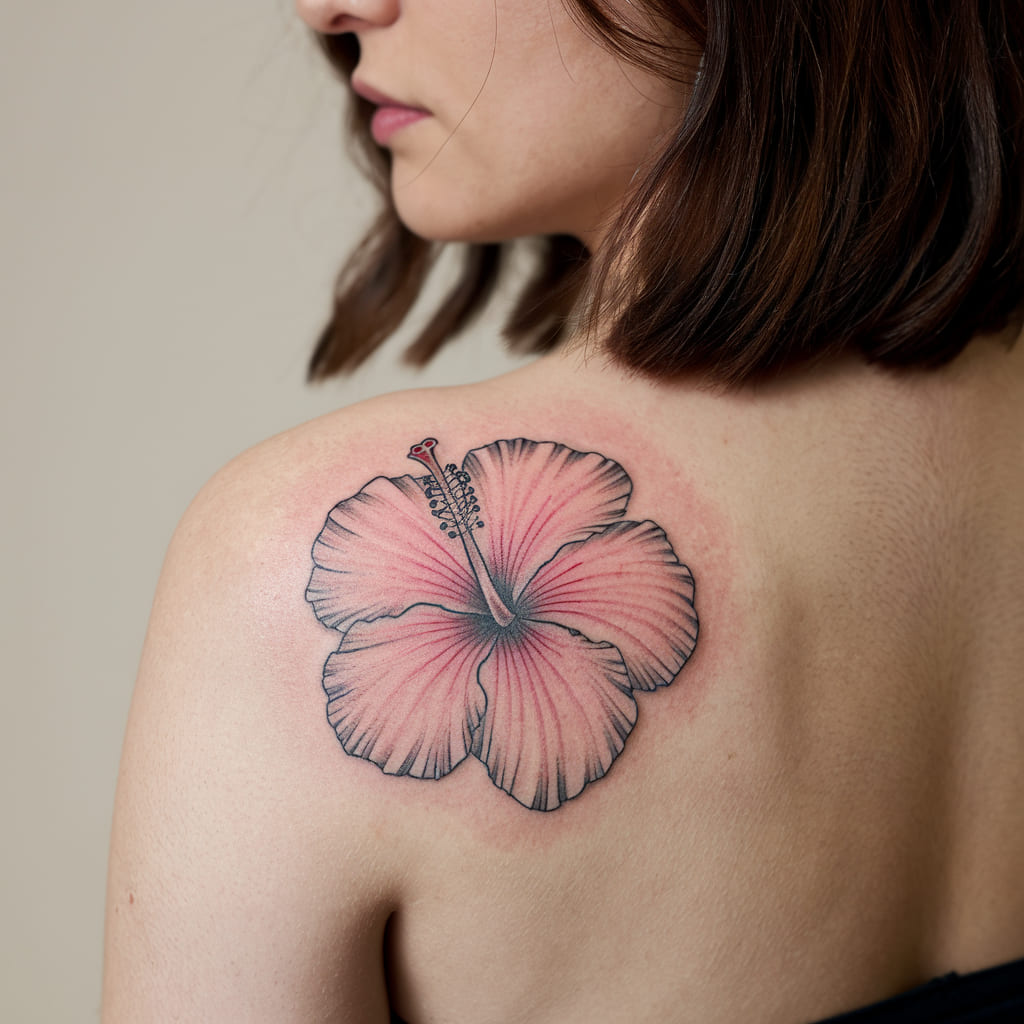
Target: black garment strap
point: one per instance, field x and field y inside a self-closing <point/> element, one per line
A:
<point x="991" y="996"/>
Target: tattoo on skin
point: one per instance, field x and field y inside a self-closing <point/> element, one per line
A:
<point x="504" y="610"/>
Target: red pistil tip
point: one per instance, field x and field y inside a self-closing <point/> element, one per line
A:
<point x="422" y="452"/>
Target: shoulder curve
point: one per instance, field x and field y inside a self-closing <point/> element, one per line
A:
<point x="265" y="487"/>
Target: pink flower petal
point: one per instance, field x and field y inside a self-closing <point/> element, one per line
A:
<point x="536" y="496"/>
<point x="559" y="709"/>
<point x="625" y="586"/>
<point x="403" y="692"/>
<point x="380" y="552"/>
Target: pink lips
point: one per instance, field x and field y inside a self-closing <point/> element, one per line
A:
<point x="390" y="116"/>
<point x="387" y="120"/>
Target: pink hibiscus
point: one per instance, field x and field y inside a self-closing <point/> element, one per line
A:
<point x="517" y="632"/>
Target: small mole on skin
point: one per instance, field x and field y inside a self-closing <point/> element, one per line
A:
<point x="131" y="897"/>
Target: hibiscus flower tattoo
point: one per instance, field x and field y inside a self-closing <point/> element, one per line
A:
<point x="503" y="610"/>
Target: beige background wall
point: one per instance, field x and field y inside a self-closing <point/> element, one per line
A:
<point x="173" y="204"/>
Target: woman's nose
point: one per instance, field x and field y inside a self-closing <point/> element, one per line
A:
<point x="329" y="17"/>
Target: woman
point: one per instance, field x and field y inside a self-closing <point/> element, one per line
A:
<point x="677" y="676"/>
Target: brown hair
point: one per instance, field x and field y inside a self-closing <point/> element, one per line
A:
<point x="848" y="177"/>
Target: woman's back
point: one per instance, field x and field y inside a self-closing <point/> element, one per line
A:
<point x="824" y="808"/>
<point x="821" y="810"/>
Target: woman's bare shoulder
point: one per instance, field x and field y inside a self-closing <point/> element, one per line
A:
<point x="248" y="875"/>
<point x="313" y="712"/>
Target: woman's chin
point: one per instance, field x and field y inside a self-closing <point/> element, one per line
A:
<point x="436" y="229"/>
<point x="454" y="219"/>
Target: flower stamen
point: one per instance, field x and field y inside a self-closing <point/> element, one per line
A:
<point x="452" y="501"/>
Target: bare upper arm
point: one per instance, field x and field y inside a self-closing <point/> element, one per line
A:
<point x="246" y="878"/>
